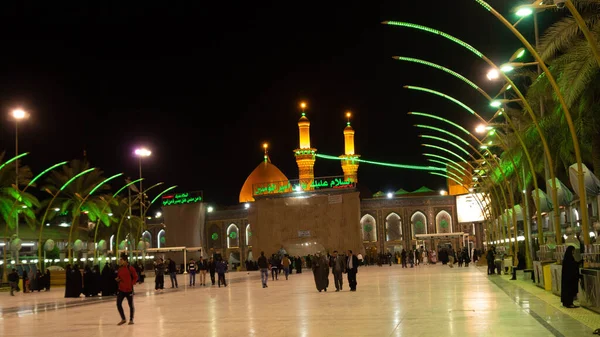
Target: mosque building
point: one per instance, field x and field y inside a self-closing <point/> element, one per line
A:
<point x="318" y="214"/>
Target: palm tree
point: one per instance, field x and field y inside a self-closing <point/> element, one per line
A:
<point x="13" y="202"/>
<point x="75" y="198"/>
<point x="570" y="58"/>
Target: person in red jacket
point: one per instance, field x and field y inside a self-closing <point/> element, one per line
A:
<point x="126" y="278"/>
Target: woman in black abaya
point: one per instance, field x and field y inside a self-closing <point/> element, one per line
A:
<point x="570" y="279"/>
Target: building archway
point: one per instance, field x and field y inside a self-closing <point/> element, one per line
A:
<point x="393" y="227"/>
<point x="418" y="222"/>
<point x="443" y="222"/>
<point x="147" y="237"/>
<point x="233" y="236"/>
<point x="161" y="239"/>
<point x="369" y="228"/>
<point x="248" y="235"/>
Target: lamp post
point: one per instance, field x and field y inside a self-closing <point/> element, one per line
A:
<point x="142" y="153"/>
<point x="18" y="115"/>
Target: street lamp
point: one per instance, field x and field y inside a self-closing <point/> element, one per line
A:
<point x="141" y="153"/>
<point x="480" y="128"/>
<point x="18" y="115"/>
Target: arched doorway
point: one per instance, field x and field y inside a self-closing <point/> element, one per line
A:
<point x="443" y="222"/>
<point x="369" y="228"/>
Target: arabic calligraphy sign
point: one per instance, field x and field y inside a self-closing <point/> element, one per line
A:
<point x="182" y="198"/>
<point x="299" y="185"/>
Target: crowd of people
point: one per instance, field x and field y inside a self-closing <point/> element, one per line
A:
<point x="37" y="282"/>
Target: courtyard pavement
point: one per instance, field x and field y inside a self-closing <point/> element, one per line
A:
<point x="390" y="301"/>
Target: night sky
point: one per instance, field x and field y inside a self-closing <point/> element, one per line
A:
<point x="204" y="84"/>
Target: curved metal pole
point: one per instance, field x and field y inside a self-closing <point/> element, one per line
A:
<point x="76" y="213"/>
<point x="105" y="207"/>
<point x="50" y="204"/>
<point x="15" y="203"/>
<point x="569" y="119"/>
<point x="517" y="91"/>
<point x="515" y="248"/>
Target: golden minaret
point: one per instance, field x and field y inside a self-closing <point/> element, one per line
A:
<point x="305" y="155"/>
<point x="349" y="159"/>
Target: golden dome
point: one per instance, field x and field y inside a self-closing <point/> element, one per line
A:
<point x="348" y="130"/>
<point x="265" y="172"/>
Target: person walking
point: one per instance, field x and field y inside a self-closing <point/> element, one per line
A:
<point x="159" y="272"/>
<point x="203" y="267"/>
<point x="13" y="281"/>
<point x="285" y="262"/>
<point x="570" y="278"/>
<point x="352" y="270"/>
<point x="338" y="267"/>
<point x="221" y="269"/>
<point x="126" y="278"/>
<point x="173" y="273"/>
<point x="192" y="272"/>
<point x="263" y="265"/>
<point x="274" y="265"/>
<point x="212" y="268"/>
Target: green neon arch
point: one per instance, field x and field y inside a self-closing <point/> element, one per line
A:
<point x="447" y="151"/>
<point x="445" y="164"/>
<point x="127" y="185"/>
<point x="447" y="142"/>
<point x="442" y="131"/>
<point x="13" y="159"/>
<point x="437" y="93"/>
<point x="437" y="66"/>
<point x="436" y="32"/>
<point x="451" y="164"/>
<point x="159" y="195"/>
<point x="440" y="119"/>
<point x="50" y="205"/>
<point x="403" y="166"/>
<point x="104" y="182"/>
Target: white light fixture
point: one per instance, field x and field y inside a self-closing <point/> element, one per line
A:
<point x="210" y="209"/>
<point x="57" y="209"/>
<point x="110" y="214"/>
<point x="298" y="188"/>
<point x="493" y="75"/>
<point x="246" y="205"/>
<point x="64" y="224"/>
<point x="390" y="195"/>
<point x="48" y="225"/>
<point x="158" y="215"/>
<point x="27" y="244"/>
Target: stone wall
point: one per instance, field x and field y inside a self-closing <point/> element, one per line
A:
<point x="306" y="223"/>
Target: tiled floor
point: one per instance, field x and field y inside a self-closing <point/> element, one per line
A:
<point x="390" y="301"/>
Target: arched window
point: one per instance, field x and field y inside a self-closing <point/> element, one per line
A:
<point x="161" y="240"/>
<point x="443" y="222"/>
<point x="418" y="222"/>
<point x="111" y="242"/>
<point x="393" y="227"/>
<point x="248" y="235"/>
<point x="147" y="237"/>
<point x="233" y="240"/>
<point x="369" y="228"/>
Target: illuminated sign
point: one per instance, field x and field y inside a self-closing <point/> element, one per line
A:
<point x="181" y="198"/>
<point x="299" y="185"/>
<point x="469" y="207"/>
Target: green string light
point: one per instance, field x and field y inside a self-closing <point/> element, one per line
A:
<point x="439" y="67"/>
<point x="447" y="177"/>
<point x="446" y="164"/>
<point x="447" y="142"/>
<point x="463" y="105"/>
<point x="440" y="119"/>
<point x="442" y="131"/>
<point x="437" y="32"/>
<point x="402" y="166"/>
<point x="445" y="150"/>
<point x="449" y="162"/>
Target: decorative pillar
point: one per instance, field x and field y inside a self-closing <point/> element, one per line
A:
<point x="350" y="158"/>
<point x="305" y="155"/>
